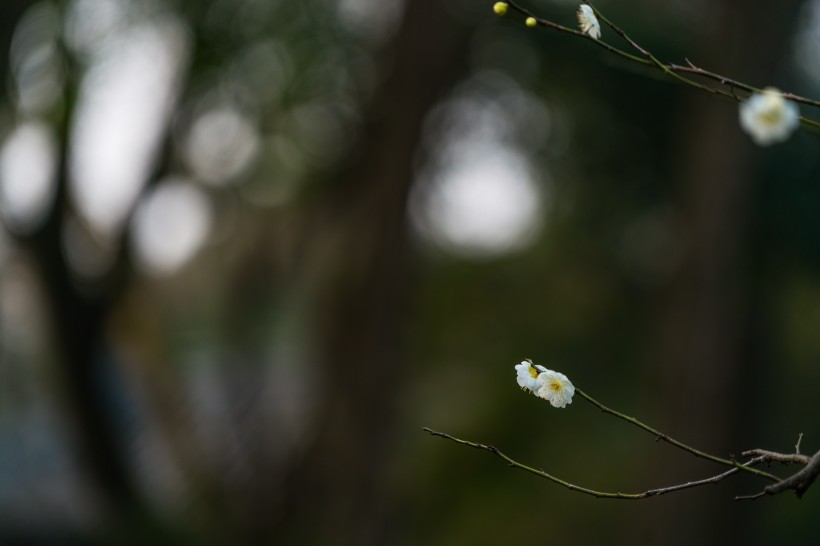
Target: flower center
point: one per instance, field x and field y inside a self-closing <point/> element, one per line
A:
<point x="555" y="385"/>
<point x="533" y="372"/>
<point x="770" y="116"/>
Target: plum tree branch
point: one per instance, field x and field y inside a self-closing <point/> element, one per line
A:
<point x="799" y="482"/>
<point x="669" y="440"/>
<point x="786" y="458"/>
<point x="671" y="70"/>
<point x="599" y="494"/>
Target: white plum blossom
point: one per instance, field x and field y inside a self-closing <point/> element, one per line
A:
<point x="555" y="387"/>
<point x="528" y="375"/>
<point x="552" y="386"/>
<point x="588" y="22"/>
<point x="768" y="117"/>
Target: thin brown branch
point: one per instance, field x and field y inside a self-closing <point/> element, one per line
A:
<point x="599" y="494"/>
<point x="723" y="80"/>
<point x="540" y="473"/>
<point x="671" y="70"/>
<point x="669" y="440"/>
<point x="705" y="481"/>
<point x="620" y="32"/>
<point x="786" y="458"/>
<point x="799" y="482"/>
<point x="654" y="60"/>
<point x="750" y="497"/>
<point x="567" y="30"/>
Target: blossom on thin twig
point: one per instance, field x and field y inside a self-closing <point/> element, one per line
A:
<point x="528" y="375"/>
<point x="768" y="117"/>
<point x="588" y="22"/>
<point x="556" y="388"/>
<point x="552" y="386"/>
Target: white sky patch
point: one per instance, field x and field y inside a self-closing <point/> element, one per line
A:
<point x="486" y="204"/>
<point x="28" y="161"/>
<point x="170" y="225"/>
<point x="477" y="194"/>
<point x="124" y="105"/>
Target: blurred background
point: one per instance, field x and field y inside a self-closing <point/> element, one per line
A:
<point x="249" y="248"/>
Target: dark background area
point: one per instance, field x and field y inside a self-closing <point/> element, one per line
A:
<point x="249" y="248"/>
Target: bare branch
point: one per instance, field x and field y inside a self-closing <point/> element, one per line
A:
<point x="669" y="440"/>
<point x="786" y="458"/>
<point x="723" y="80"/>
<point x="750" y="497"/>
<point x="540" y="473"/>
<point x="672" y="70"/>
<point x="561" y="28"/>
<point x="599" y="494"/>
<point x="798" y="482"/>
<point x="705" y="481"/>
<point x="654" y="60"/>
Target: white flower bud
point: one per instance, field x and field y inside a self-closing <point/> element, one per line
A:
<point x="588" y="22"/>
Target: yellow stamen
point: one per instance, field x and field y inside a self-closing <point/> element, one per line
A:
<point x="770" y="117"/>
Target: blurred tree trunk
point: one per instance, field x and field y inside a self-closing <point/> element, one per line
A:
<point x="80" y="309"/>
<point x="79" y="318"/>
<point x="333" y="492"/>
<point x="704" y="379"/>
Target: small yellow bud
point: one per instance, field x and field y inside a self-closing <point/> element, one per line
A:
<point x="500" y="8"/>
<point x="530" y="22"/>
